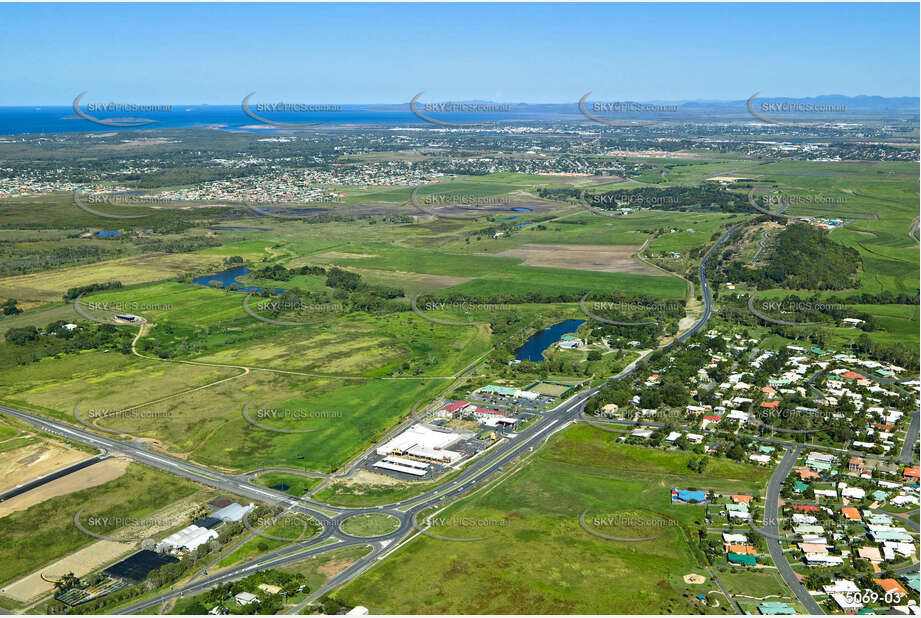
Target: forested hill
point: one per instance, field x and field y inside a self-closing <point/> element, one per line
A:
<point x="803" y="257"/>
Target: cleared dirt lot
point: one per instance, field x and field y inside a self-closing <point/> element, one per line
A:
<point x="600" y="258"/>
<point x="97" y="474"/>
<point x="25" y="464"/>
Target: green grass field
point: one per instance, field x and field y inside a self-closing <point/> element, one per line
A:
<point x="370" y="524"/>
<point x="298" y="485"/>
<point x="541" y="561"/>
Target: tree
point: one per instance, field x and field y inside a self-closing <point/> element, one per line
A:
<point x="10" y="308"/>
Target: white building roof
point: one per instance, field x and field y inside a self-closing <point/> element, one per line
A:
<point x="419" y="436"/>
<point x="189" y="538"/>
<point x="232" y="512"/>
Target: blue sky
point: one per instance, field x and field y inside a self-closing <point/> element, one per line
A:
<point x="386" y="53"/>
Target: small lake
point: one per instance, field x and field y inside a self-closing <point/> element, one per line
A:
<point x="228" y="278"/>
<point x="520" y="209"/>
<point x="107" y="233"/>
<point x="510" y="218"/>
<point x="533" y="348"/>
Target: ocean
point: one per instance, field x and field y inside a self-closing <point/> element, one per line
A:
<point x="61" y="119"/>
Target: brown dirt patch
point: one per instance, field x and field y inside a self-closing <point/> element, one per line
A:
<point x="599" y="258"/>
<point x="29" y="462"/>
<point x="333" y="566"/>
<point x="364" y="477"/>
<point x="97" y="474"/>
<point x="694" y="578"/>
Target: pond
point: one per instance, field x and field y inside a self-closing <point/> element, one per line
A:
<point x="533" y="349"/>
<point x="228" y="278"/>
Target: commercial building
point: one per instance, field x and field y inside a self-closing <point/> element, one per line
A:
<point x="422" y="442"/>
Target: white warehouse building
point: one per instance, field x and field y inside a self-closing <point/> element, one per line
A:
<point x="188" y="538"/>
<point x="423" y="442"/>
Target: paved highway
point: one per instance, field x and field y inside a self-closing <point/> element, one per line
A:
<point x="705" y="287"/>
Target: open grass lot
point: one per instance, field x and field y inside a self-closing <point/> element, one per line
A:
<point x="541" y="560"/>
<point x="345" y="415"/>
<point x="693" y="170"/>
<point x="291" y="526"/>
<point x="46" y="531"/>
<point x="298" y="485"/>
<point x="370" y="524"/>
<point x="363" y="412"/>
